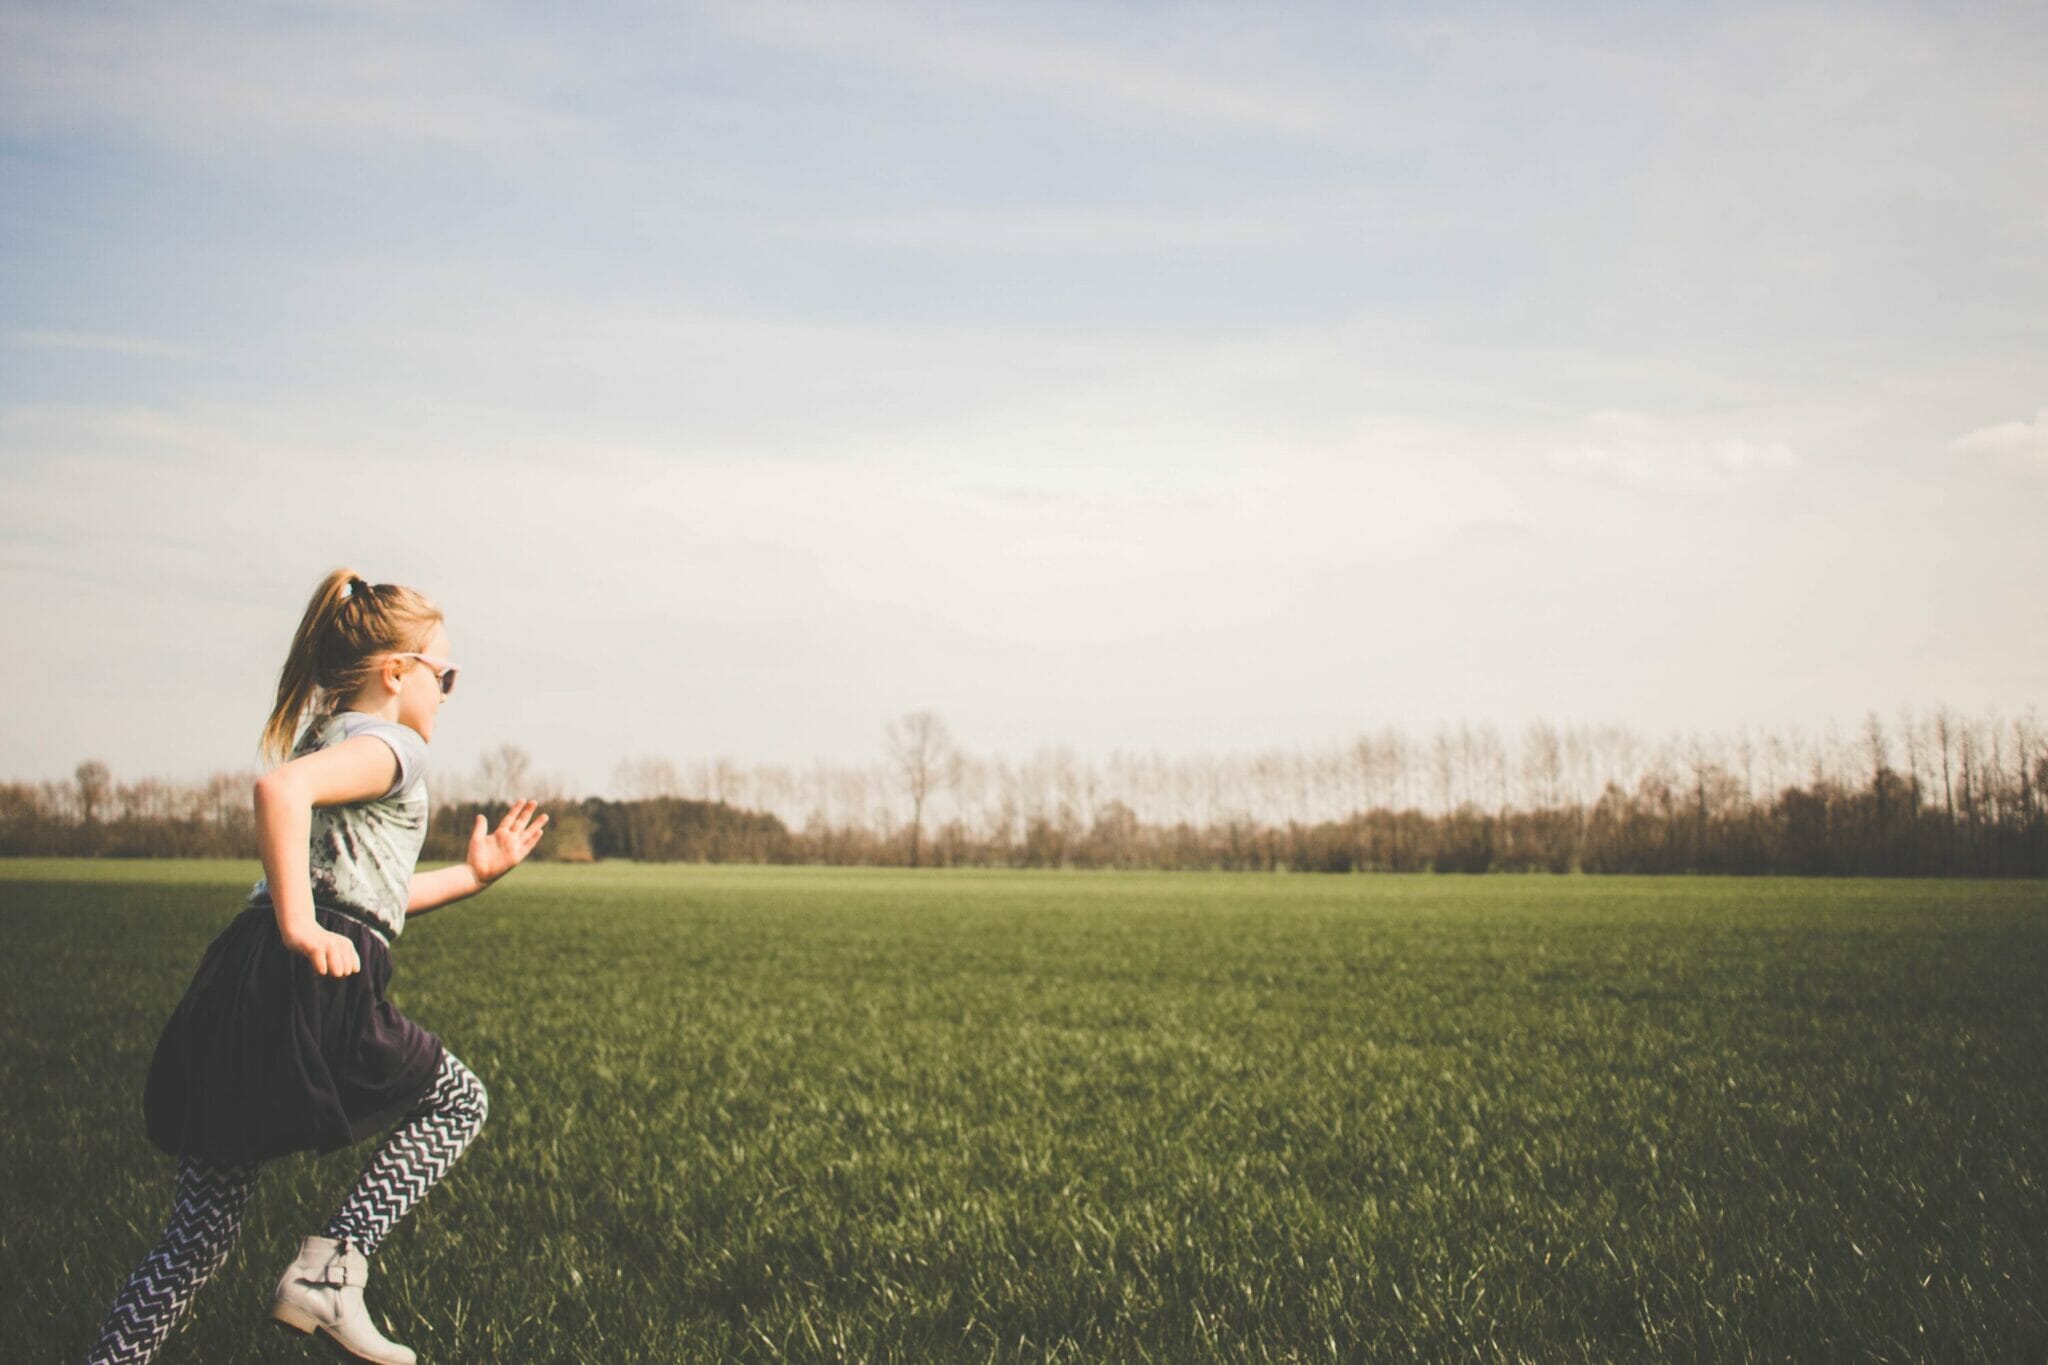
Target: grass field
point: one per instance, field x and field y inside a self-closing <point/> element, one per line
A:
<point x="759" y="1114"/>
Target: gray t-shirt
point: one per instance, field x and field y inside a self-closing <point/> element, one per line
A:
<point x="362" y="855"/>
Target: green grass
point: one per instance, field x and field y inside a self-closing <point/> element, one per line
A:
<point x="751" y="1114"/>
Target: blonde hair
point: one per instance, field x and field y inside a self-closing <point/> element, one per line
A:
<point x="347" y="625"/>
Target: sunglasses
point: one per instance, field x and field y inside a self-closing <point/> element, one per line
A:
<point x="443" y="670"/>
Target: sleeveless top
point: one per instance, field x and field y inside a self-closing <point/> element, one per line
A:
<point x="363" y="854"/>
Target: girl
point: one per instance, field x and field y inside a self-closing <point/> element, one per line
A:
<point x="284" y="1041"/>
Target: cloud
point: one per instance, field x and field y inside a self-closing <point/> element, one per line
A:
<point x="226" y="81"/>
<point x="92" y="341"/>
<point x="1343" y="218"/>
<point x="1108" y="229"/>
<point x="2015" y="447"/>
<point x="1494" y="533"/>
<point x="1652" y="455"/>
<point x="934" y="43"/>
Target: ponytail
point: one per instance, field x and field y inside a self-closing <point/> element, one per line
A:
<point x="348" y="623"/>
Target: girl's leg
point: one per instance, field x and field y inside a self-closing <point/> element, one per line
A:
<point x="204" y="1223"/>
<point x="417" y="1153"/>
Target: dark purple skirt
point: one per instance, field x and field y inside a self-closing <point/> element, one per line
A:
<point x="264" y="1056"/>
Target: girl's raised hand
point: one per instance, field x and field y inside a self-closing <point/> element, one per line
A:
<point x="492" y="854"/>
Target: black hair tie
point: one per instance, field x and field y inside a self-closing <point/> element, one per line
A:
<point x="357" y="588"/>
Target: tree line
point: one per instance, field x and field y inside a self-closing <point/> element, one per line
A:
<point x="1935" y="794"/>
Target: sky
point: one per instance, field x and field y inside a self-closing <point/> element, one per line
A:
<point x="1121" y="376"/>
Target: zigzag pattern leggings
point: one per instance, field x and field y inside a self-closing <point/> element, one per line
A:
<point x="211" y="1199"/>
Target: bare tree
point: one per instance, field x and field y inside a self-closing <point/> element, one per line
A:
<point x="645" y="778"/>
<point x="922" y="752"/>
<point x="94" y="779"/>
<point x="1542" y="766"/>
<point x="226" y="797"/>
<point x="1944" y="736"/>
<point x="1443" y="770"/>
<point x="503" y="773"/>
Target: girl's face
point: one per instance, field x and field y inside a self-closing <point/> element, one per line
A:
<point x="419" y="689"/>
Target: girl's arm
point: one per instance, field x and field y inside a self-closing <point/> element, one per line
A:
<point x="491" y="856"/>
<point x="358" y="769"/>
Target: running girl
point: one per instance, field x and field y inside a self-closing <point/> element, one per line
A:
<point x="284" y="1041"/>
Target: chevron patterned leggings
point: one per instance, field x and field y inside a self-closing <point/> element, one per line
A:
<point x="211" y="1198"/>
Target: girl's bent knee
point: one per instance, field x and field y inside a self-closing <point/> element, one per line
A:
<point x="464" y="1094"/>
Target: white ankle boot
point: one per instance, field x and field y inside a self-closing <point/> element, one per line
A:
<point x="323" y="1291"/>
